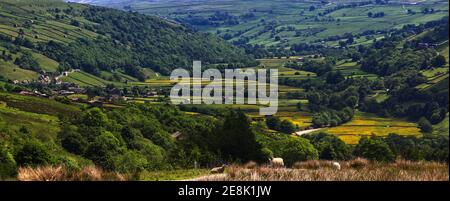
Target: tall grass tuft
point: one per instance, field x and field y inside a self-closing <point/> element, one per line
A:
<point x="60" y="173"/>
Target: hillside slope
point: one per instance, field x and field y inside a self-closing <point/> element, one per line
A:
<point x="282" y="23"/>
<point x="60" y="36"/>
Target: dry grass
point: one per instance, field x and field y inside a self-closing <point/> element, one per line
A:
<point x="354" y="170"/>
<point x="358" y="163"/>
<point x="59" y="173"/>
<point x="312" y="165"/>
<point x="250" y="165"/>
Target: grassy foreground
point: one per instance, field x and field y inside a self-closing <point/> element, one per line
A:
<point x="355" y="170"/>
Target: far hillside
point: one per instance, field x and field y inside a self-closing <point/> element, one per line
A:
<point x="281" y="23"/>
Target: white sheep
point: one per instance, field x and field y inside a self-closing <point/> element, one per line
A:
<point x="218" y="170"/>
<point x="336" y="165"/>
<point x="277" y="162"/>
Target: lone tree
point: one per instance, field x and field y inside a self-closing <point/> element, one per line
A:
<point x="425" y="125"/>
<point x="287" y="127"/>
<point x="374" y="149"/>
<point x="439" y="61"/>
<point x="237" y="140"/>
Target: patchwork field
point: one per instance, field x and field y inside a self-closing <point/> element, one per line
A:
<point x="269" y="22"/>
<point x="16" y="14"/>
<point x="365" y="124"/>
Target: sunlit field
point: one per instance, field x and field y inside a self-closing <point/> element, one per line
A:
<point x="364" y="124"/>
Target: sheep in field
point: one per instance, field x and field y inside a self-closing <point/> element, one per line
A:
<point x="218" y="170"/>
<point x="336" y="165"/>
<point x="276" y="162"/>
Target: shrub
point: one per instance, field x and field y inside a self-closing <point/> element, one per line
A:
<point x="131" y="162"/>
<point x="103" y="150"/>
<point x="374" y="149"/>
<point x="250" y="165"/>
<point x="330" y="147"/>
<point x="358" y="163"/>
<point x="287" y="127"/>
<point x="33" y="153"/>
<point x="312" y="165"/>
<point x="273" y="122"/>
<point x="7" y="164"/>
<point x="297" y="149"/>
<point x="425" y="125"/>
<point x="73" y="141"/>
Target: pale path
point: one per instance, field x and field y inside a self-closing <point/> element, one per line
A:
<point x="300" y="133"/>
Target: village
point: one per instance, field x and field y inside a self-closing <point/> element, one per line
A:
<point x="53" y="87"/>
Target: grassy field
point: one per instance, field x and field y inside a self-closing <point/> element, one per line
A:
<point x="366" y="124"/>
<point x="13" y="72"/>
<point x="354" y="170"/>
<point x="37" y="105"/>
<point x="44" y="127"/>
<point x="172" y="175"/>
<point x="324" y="171"/>
<point x="44" y="26"/>
<point x="442" y="128"/>
<point x="47" y="64"/>
<point x="352" y="69"/>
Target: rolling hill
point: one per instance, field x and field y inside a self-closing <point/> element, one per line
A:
<point x="282" y="23"/>
<point x="54" y="36"/>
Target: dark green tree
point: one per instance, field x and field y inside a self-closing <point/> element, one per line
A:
<point x="374" y="149"/>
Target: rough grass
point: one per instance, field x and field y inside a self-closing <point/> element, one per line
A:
<point x="359" y="170"/>
<point x="60" y="173"/>
<point x="46" y="63"/>
<point x="442" y="128"/>
<point x="38" y="105"/>
<point x="172" y="175"/>
<point x="43" y="126"/>
<point x="85" y="79"/>
<point x="13" y="72"/>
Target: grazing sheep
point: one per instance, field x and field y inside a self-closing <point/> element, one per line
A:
<point x="277" y="162"/>
<point x="218" y="170"/>
<point x="336" y="165"/>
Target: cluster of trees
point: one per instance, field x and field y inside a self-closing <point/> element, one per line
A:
<point x="331" y="117"/>
<point x="375" y="15"/>
<point x="138" y="138"/>
<point x="218" y="18"/>
<point x="147" y="137"/>
<point x="401" y="71"/>
<point x="284" y="126"/>
<point x="21" y="148"/>
<point x="26" y="61"/>
<point x="385" y="61"/>
<point x="334" y="108"/>
<point x="318" y="67"/>
<point x="388" y="149"/>
<point x="382" y="57"/>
